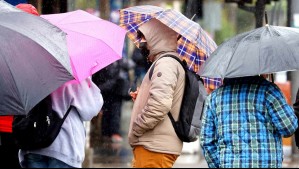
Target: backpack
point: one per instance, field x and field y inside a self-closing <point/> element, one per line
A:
<point x="39" y="128"/>
<point x="188" y="125"/>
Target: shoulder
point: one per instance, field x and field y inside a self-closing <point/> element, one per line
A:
<point x="168" y="62"/>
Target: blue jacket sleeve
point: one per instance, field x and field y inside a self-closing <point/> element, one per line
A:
<point x="282" y="114"/>
<point x="208" y="137"/>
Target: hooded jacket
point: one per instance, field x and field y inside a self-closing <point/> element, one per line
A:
<point x="150" y="125"/>
<point x="69" y="146"/>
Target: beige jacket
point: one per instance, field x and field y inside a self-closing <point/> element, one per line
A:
<point x="150" y="125"/>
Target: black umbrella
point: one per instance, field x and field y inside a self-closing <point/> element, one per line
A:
<point x="33" y="60"/>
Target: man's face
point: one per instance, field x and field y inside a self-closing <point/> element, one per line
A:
<point x="143" y="45"/>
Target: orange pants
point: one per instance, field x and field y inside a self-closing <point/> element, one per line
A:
<point x="148" y="159"/>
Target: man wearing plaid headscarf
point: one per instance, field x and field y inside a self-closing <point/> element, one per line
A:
<point x="151" y="134"/>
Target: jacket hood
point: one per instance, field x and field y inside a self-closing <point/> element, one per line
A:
<point x="159" y="37"/>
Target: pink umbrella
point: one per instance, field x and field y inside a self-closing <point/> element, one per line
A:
<point x="93" y="43"/>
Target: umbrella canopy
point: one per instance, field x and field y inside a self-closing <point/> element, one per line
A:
<point x="195" y="46"/>
<point x="264" y="50"/>
<point x="33" y="60"/>
<point x="93" y="43"/>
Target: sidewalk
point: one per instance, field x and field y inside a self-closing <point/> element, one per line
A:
<point x="119" y="155"/>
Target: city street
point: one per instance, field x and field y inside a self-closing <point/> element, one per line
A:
<point x="119" y="155"/>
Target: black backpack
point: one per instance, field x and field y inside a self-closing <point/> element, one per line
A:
<point x="39" y="128"/>
<point x="188" y="125"/>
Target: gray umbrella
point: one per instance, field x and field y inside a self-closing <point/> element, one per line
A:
<point x="264" y="50"/>
<point x="33" y="60"/>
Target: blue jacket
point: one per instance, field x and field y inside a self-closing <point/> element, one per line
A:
<point x="243" y="124"/>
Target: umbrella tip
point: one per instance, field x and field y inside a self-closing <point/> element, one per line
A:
<point x="193" y="17"/>
<point x="266" y="17"/>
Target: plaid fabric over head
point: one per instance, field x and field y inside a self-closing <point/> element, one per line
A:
<point x="195" y="46"/>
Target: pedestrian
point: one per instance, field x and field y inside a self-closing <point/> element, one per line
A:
<point x="8" y="148"/>
<point x="68" y="149"/>
<point x="114" y="83"/>
<point x="151" y="134"/>
<point x="296" y="109"/>
<point x="244" y="122"/>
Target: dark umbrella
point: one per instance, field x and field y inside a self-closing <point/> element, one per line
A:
<point x="33" y="60"/>
<point x="264" y="50"/>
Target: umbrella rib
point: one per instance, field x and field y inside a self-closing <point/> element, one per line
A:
<point x="235" y="52"/>
<point x="95" y="38"/>
<point x="287" y="46"/>
<point x="289" y="50"/>
<point x="70" y="14"/>
<point x="134" y="27"/>
<point x="82" y="34"/>
<point x="66" y="15"/>
<point x="162" y="14"/>
<point x="18" y="93"/>
<point x="58" y="23"/>
<point x="24" y="35"/>
<point x="259" y="54"/>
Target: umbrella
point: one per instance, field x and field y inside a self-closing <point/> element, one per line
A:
<point x="93" y="43"/>
<point x="264" y="50"/>
<point x="33" y="60"/>
<point x="195" y="46"/>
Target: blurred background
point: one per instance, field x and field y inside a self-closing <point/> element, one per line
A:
<point x="222" y="19"/>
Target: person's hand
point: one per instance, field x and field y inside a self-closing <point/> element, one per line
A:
<point x="209" y="90"/>
<point x="134" y="94"/>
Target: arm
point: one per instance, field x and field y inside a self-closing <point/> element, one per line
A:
<point x="208" y="136"/>
<point x="161" y="96"/>
<point x="296" y="109"/>
<point x="87" y="98"/>
<point x="282" y="115"/>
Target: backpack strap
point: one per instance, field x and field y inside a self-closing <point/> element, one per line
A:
<point x="151" y="71"/>
<point x="67" y="113"/>
<point x="65" y="116"/>
<point x="183" y="63"/>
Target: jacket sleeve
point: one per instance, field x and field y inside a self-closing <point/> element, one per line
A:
<point x="296" y="109"/>
<point x="282" y="114"/>
<point x="87" y="98"/>
<point x="160" y="99"/>
<point x="208" y="136"/>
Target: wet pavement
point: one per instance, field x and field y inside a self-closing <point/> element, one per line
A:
<point x="106" y="154"/>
